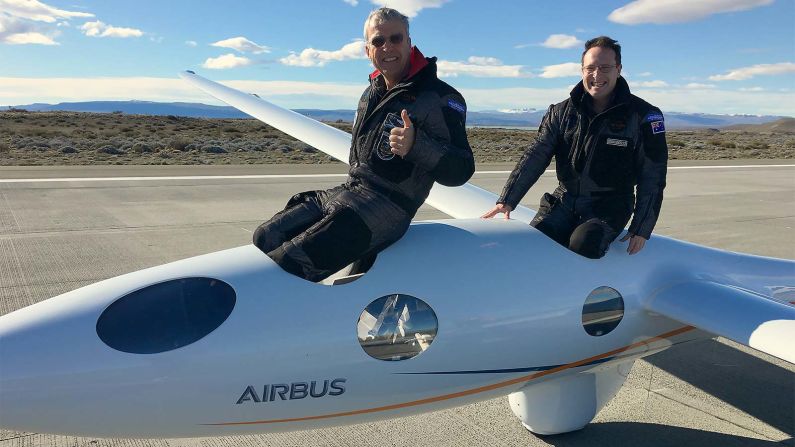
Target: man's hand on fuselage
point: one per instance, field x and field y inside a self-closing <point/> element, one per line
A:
<point x="499" y="208"/>
<point x="636" y="242"/>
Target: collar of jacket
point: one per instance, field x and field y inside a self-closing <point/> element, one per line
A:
<point x="621" y="93"/>
<point x="416" y="63"/>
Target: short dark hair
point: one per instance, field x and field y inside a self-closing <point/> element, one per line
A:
<point x="604" y="42"/>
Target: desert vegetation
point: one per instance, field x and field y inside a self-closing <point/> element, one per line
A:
<point x="73" y="138"/>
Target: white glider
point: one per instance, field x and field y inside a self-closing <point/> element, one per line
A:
<point x="228" y="343"/>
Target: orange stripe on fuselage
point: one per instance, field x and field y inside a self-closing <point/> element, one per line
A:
<point x="481" y="389"/>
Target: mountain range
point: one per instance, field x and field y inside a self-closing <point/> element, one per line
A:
<point x="522" y="118"/>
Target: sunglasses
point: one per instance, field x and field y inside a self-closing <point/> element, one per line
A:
<point x="379" y="41"/>
<point x="605" y="69"/>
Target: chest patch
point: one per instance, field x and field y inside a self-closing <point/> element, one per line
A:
<point x="617" y="142"/>
<point x="657" y="127"/>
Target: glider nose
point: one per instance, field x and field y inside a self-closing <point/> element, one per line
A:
<point x="35" y="367"/>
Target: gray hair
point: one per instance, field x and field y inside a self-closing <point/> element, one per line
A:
<point x="382" y="15"/>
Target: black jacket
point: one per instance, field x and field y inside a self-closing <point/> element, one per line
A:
<point x="440" y="152"/>
<point x="607" y="154"/>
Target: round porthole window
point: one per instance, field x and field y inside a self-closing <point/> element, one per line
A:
<point x="396" y="327"/>
<point x="603" y="310"/>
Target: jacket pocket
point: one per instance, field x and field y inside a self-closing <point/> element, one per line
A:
<point x="548" y="201"/>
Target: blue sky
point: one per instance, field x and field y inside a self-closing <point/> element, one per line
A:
<point x="712" y="56"/>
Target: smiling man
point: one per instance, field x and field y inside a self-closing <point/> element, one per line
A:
<point x="610" y="157"/>
<point x="409" y="132"/>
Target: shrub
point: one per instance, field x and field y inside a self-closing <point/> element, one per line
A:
<point x="757" y="145"/>
<point x="214" y="149"/>
<point x="140" y="148"/>
<point x="180" y="144"/>
<point x="110" y="150"/>
<point x="722" y="143"/>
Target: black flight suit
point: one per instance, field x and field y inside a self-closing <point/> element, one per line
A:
<point x="599" y="160"/>
<point x="320" y="232"/>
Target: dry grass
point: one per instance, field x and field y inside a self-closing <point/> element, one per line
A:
<point x="70" y="138"/>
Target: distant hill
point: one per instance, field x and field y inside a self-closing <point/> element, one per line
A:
<point x="784" y="125"/>
<point x="194" y="110"/>
<point x="496" y="118"/>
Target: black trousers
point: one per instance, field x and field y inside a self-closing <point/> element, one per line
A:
<point x="320" y="232"/>
<point x="584" y="225"/>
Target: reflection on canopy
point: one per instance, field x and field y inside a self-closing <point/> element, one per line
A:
<point x="396" y="327"/>
<point x="603" y="310"/>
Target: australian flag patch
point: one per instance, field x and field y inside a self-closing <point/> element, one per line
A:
<point x="457" y="106"/>
<point x="657" y="127"/>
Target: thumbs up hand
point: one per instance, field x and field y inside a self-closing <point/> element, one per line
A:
<point x="401" y="139"/>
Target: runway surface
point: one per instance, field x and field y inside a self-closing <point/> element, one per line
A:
<point x="58" y="235"/>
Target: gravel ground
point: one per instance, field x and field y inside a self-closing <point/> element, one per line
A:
<point x="72" y="138"/>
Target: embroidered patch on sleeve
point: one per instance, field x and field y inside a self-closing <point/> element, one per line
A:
<point x="657" y="127"/>
<point x="457" y="106"/>
<point x="653" y="117"/>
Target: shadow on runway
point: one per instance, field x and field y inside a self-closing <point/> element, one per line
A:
<point x="639" y="434"/>
<point x="754" y="386"/>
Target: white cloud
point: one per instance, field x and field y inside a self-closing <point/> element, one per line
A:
<point x="740" y="74"/>
<point x="351" y="2"/>
<point x="18" y="32"/>
<point x="191" y="43"/>
<point x="696" y="85"/>
<point x="678" y="11"/>
<point x="480" y="67"/>
<point x="19" y="22"/>
<point x="311" y="57"/>
<point x="242" y="45"/>
<point x="513" y="98"/>
<point x="753" y="89"/>
<point x="645" y="74"/>
<point x="101" y="29"/>
<point x="569" y="69"/>
<point x="650" y="84"/>
<point x="720" y="101"/>
<point x="410" y="8"/>
<point x="226" y="61"/>
<point x="37" y="11"/>
<point x="562" y="41"/>
<point x="293" y="94"/>
<point x="17" y="91"/>
<point x="29" y="38"/>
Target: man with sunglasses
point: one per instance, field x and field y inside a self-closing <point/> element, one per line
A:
<point x="608" y="144"/>
<point x="409" y="131"/>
